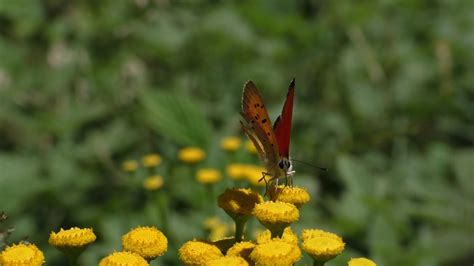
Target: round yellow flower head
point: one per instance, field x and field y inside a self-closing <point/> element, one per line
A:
<point x="311" y="233"/>
<point x="323" y="248"/>
<point x="288" y="236"/>
<point x="191" y="155"/>
<point x="361" y="262"/>
<point x="250" y="147"/>
<point x="239" y="201"/>
<point x="152" y="183"/>
<point x="276" y="216"/>
<point x="253" y="174"/>
<point x="208" y="176"/>
<point x="151" y="160"/>
<point x="146" y="241"/>
<point x="21" y="254"/>
<point x="237" y="171"/>
<point x="241" y="249"/>
<point x="231" y="144"/>
<point x="129" y="165"/>
<point x="72" y="238"/>
<point x="227" y="261"/>
<point x="197" y="252"/>
<point x="294" y="195"/>
<point x="123" y="258"/>
<point x="276" y="252"/>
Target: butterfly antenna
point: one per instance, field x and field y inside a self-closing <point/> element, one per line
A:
<point x="312" y="165"/>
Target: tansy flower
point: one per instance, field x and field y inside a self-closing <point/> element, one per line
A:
<point x="153" y="182"/>
<point x="241" y="249"/>
<point x="239" y="201"/>
<point x="191" y="155"/>
<point x="72" y="241"/>
<point x="253" y="174"/>
<point x="276" y="252"/>
<point x="288" y="236"/>
<point x="323" y="248"/>
<point x="311" y="233"/>
<point x="227" y="261"/>
<point x="151" y="160"/>
<point x="198" y="252"/>
<point x="208" y="176"/>
<point x="21" y="254"/>
<point x="129" y="165"/>
<point x="361" y="262"/>
<point x="250" y="147"/>
<point x="237" y="171"/>
<point x="294" y="195"/>
<point x="123" y="258"/>
<point x="148" y="242"/>
<point x="231" y="143"/>
<point x="276" y="216"/>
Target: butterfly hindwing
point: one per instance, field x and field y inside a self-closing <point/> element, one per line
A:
<point x="282" y="126"/>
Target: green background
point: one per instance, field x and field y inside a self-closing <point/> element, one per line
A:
<point x="384" y="99"/>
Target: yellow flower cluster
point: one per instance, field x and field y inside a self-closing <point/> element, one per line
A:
<point x="148" y="242"/>
<point x="123" y="258"/>
<point x="71" y="238"/>
<point x="198" y="252"/>
<point x="276" y="252"/>
<point x="239" y="201"/>
<point x="208" y="176"/>
<point x="320" y="245"/>
<point x="294" y="195"/>
<point x="21" y="254"/>
<point x="191" y="155"/>
<point x="152" y="183"/>
<point x="231" y="143"/>
<point x="151" y="160"/>
<point x="361" y="262"/>
<point x="249" y="172"/>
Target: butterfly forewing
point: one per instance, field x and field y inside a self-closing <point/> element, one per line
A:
<point x="282" y="126"/>
<point x="257" y="125"/>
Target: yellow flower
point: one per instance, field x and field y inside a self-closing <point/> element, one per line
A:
<point x="151" y="160"/>
<point x="276" y="252"/>
<point x="276" y="216"/>
<point x="191" y="155"/>
<point x="153" y="182"/>
<point x="250" y="147"/>
<point x="239" y="201"/>
<point x="311" y="233"/>
<point x="227" y="261"/>
<point x="198" y="252"/>
<point x="237" y="171"/>
<point x="123" y="258"/>
<point x="253" y="174"/>
<point x="21" y="254"/>
<point x="294" y="195"/>
<point x="71" y="238"/>
<point x="208" y="176"/>
<point x="288" y="236"/>
<point x="231" y="143"/>
<point x="361" y="262"/>
<point x="241" y="249"/>
<point x="323" y="248"/>
<point x="129" y="165"/>
<point x="146" y="241"/>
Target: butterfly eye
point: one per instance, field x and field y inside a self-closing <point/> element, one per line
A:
<point x="281" y="164"/>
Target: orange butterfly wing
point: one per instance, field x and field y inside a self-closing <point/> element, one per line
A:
<point x="258" y="127"/>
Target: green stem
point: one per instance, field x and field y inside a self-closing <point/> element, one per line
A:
<point x="239" y="228"/>
<point x="72" y="260"/>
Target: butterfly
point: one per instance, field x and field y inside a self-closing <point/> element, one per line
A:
<point x="272" y="142"/>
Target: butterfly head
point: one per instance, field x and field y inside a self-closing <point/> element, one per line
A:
<point x="285" y="165"/>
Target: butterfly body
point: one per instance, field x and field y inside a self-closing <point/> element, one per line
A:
<point x="272" y="142"/>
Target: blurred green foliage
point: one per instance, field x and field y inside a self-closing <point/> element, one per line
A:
<point x="384" y="99"/>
